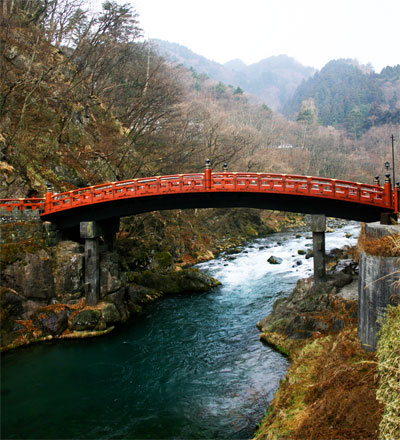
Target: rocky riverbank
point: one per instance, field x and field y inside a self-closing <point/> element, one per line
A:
<point x="42" y="291"/>
<point x="330" y="388"/>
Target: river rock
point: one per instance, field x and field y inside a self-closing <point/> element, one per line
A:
<point x="85" y="320"/>
<point x="274" y="260"/>
<point x="309" y="254"/>
<point x="119" y="300"/>
<point x="51" y="322"/>
<point x="110" y="313"/>
<point x="311" y="309"/>
<point x="193" y="280"/>
<point x="177" y="282"/>
<point x="301" y="252"/>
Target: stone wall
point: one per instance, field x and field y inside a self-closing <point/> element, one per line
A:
<point x="378" y="280"/>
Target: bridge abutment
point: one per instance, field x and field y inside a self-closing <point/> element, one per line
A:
<point x="318" y="228"/>
<point x="379" y="272"/>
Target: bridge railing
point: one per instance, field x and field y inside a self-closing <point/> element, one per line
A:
<point x="22" y="204"/>
<point x="220" y="182"/>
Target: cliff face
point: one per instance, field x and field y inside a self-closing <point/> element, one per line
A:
<point x="42" y="291"/>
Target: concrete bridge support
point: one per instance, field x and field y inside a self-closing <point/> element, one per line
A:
<point x="318" y="227"/>
<point x="377" y="285"/>
<point x="93" y="232"/>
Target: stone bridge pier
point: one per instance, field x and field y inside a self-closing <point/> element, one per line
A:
<point x="98" y="236"/>
<point x="318" y="228"/>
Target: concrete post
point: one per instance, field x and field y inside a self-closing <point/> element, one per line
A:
<point x="318" y="227"/>
<point x="376" y="286"/>
<point x="90" y="231"/>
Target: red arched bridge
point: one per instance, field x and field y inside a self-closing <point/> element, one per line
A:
<point x="282" y="192"/>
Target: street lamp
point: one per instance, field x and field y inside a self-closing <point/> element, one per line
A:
<point x="394" y="176"/>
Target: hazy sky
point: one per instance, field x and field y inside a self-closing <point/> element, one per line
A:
<point x="312" y="31"/>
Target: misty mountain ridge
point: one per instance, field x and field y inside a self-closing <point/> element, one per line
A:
<point x="274" y="79"/>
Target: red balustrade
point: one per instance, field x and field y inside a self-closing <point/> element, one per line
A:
<point x="212" y="182"/>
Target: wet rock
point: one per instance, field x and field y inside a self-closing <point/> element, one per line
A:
<point x="274" y="260"/>
<point x="301" y="252"/>
<point x="51" y="322"/>
<point x="86" y="320"/>
<point x="186" y="280"/>
<point x="139" y="294"/>
<point x="118" y="298"/>
<point x="193" y="280"/>
<point x="110" y="313"/>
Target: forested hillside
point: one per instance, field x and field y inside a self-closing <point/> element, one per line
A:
<point x="349" y="96"/>
<point x="272" y="79"/>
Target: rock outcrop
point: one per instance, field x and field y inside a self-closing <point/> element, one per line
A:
<point x="42" y="295"/>
<point x="311" y="310"/>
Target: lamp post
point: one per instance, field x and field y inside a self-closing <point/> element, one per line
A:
<point x="394" y="175"/>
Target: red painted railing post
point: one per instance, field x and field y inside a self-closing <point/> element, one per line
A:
<point x="48" y="197"/>
<point x="207" y="175"/>
<point x="387" y="191"/>
<point x="396" y="200"/>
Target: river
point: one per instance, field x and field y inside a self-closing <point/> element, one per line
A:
<point x="191" y="366"/>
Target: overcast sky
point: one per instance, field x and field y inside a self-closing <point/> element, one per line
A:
<point x="312" y="31"/>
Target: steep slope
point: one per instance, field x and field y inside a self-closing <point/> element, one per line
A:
<point x="350" y="96"/>
<point x="52" y="130"/>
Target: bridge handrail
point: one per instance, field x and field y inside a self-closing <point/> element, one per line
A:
<point x="197" y="182"/>
<point x="22" y="204"/>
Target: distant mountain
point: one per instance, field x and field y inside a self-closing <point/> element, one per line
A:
<point x="348" y="95"/>
<point x="273" y="79"/>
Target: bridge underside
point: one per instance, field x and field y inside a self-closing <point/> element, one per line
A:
<point x="349" y="210"/>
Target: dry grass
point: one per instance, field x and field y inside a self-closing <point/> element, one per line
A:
<point x="329" y="393"/>
<point x="388" y="352"/>
<point x="387" y="246"/>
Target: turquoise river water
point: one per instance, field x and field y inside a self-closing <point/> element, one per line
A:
<point x="190" y="367"/>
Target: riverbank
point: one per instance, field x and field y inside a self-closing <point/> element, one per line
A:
<point x="330" y="388"/>
<point x="42" y="289"/>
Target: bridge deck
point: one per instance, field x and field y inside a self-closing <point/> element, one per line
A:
<point x="314" y="195"/>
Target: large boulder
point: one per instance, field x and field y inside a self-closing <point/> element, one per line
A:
<point x="86" y="320"/>
<point x="193" y="280"/>
<point x="274" y="260"/>
<point x="51" y="322"/>
<point x="186" y="280"/>
<point x="110" y="313"/>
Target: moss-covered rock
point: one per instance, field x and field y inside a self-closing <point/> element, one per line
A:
<point x="85" y="320"/>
